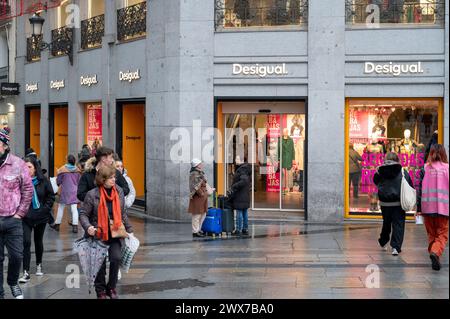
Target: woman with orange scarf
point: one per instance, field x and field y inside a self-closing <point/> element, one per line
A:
<point x="102" y="213"/>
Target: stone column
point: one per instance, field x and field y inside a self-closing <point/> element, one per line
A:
<point x="326" y="104"/>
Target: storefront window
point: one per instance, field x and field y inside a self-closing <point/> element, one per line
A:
<point x="380" y="126"/>
<point x="395" y="12"/>
<point x="259" y="13"/>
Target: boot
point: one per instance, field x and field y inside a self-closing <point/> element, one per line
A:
<point x="55" y="227"/>
<point x="75" y="229"/>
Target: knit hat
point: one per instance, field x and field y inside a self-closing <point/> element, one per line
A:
<point x="4" y="135"/>
<point x="195" y="162"/>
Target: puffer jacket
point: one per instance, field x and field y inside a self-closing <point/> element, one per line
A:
<point x="388" y="179"/>
<point x="46" y="198"/>
<point x="240" y="188"/>
<point x="87" y="180"/>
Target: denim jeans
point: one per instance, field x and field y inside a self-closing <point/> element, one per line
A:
<point x="241" y="219"/>
<point x="11" y="236"/>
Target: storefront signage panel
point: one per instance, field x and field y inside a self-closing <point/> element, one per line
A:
<point x="260" y="70"/>
<point x="88" y="80"/>
<point x="31" y="87"/>
<point x="393" y="69"/>
<point x="57" y="85"/>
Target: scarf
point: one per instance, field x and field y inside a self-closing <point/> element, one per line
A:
<point x="35" y="201"/>
<point x="196" y="178"/>
<point x="103" y="213"/>
<point x="71" y="167"/>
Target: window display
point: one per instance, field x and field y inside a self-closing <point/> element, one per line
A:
<point x="380" y="126"/>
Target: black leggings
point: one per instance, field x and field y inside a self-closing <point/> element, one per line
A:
<point x="39" y="230"/>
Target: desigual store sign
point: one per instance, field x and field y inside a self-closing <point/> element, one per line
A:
<point x="393" y="69"/>
<point x="260" y="70"/>
<point x="31" y="87"/>
<point x="57" y="85"/>
<point x="88" y="80"/>
<point x="129" y="76"/>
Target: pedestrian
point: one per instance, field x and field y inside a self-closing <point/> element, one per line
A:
<point x="101" y="213"/>
<point x="433" y="140"/>
<point x="16" y="191"/>
<point x="432" y="202"/>
<point x="103" y="156"/>
<point x="388" y="179"/>
<point x="129" y="199"/>
<point x="83" y="156"/>
<point x="67" y="178"/>
<point x="37" y="218"/>
<point x="239" y="196"/>
<point x="355" y="161"/>
<point x="198" y="197"/>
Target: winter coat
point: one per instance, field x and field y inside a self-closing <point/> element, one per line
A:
<point x="16" y="189"/>
<point x="87" y="180"/>
<point x="89" y="210"/>
<point x="46" y="196"/>
<point x="240" y="188"/>
<point x="130" y="198"/>
<point x="354" y="161"/>
<point x="198" y="199"/>
<point x="388" y="179"/>
<point x="68" y="181"/>
<point x="433" y="193"/>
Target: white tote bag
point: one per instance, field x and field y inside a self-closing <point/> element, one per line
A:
<point x="407" y="195"/>
<point x="54" y="185"/>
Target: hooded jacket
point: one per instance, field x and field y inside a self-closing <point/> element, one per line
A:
<point x="240" y="188"/>
<point x="87" y="181"/>
<point x="388" y="179"/>
<point x="68" y="181"/>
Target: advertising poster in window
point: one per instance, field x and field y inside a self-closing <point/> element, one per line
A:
<point x="94" y="125"/>
<point x="273" y="126"/>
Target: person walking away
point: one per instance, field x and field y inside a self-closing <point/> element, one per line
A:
<point x="16" y="191"/>
<point x="388" y="179"/>
<point x="103" y="156"/>
<point x="83" y="156"/>
<point x="37" y="218"/>
<point x="432" y="202"/>
<point x="103" y="204"/>
<point x="240" y="196"/>
<point x="130" y="198"/>
<point x="68" y="177"/>
<point x="198" y="197"/>
<point x="354" y="170"/>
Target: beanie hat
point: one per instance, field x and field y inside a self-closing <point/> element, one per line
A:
<point x="4" y="135"/>
<point x="195" y="162"/>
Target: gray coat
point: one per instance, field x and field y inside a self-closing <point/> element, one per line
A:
<point x="354" y="161"/>
<point x="89" y="210"/>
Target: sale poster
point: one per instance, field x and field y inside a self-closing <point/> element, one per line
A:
<point x="94" y="125"/>
<point x="273" y="126"/>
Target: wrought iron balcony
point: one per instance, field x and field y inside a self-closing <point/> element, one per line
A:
<point x="240" y="14"/>
<point x="132" y="21"/>
<point x="62" y="40"/>
<point x="92" y="31"/>
<point x="409" y="12"/>
<point x="34" y="48"/>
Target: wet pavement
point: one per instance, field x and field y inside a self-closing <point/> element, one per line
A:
<point x="280" y="259"/>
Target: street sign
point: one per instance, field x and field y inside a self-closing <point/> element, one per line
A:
<point x="9" y="88"/>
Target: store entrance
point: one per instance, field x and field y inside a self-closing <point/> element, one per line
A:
<point x="271" y="137"/>
<point x="33" y="128"/>
<point x="59" y="137"/>
<point x="131" y="144"/>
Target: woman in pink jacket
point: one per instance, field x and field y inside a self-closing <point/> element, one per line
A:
<point x="432" y="202"/>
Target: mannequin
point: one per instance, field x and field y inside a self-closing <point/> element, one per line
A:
<point x="287" y="159"/>
<point x="407" y="145"/>
<point x="374" y="147"/>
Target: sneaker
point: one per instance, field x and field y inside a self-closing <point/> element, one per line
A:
<point x="102" y="295"/>
<point x="55" y="227"/>
<point x="394" y="252"/>
<point x="16" y="292"/>
<point x="236" y="233"/>
<point x="39" y="270"/>
<point x="75" y="229"/>
<point x="197" y="235"/>
<point x="245" y="232"/>
<point x="25" y="278"/>
<point x="112" y="293"/>
<point x="435" y="263"/>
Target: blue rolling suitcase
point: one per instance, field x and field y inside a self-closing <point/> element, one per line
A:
<point x="213" y="222"/>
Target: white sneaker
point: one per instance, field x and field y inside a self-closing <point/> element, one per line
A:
<point x="25" y="278"/>
<point x="394" y="252"/>
<point x="39" y="270"/>
<point x="16" y="292"/>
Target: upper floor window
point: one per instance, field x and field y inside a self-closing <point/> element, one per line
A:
<point x="372" y="13"/>
<point x="93" y="23"/>
<point x="62" y="16"/>
<point x="131" y="19"/>
<point x="260" y="13"/>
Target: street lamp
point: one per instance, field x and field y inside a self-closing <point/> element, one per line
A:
<point x="62" y="44"/>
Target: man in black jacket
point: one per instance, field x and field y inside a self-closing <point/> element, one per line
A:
<point x="104" y="156"/>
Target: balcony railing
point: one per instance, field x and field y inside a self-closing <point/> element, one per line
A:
<point x="62" y="39"/>
<point x="240" y="14"/>
<point x="410" y="12"/>
<point x="132" y="21"/>
<point x="34" y="48"/>
<point x="92" y="31"/>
